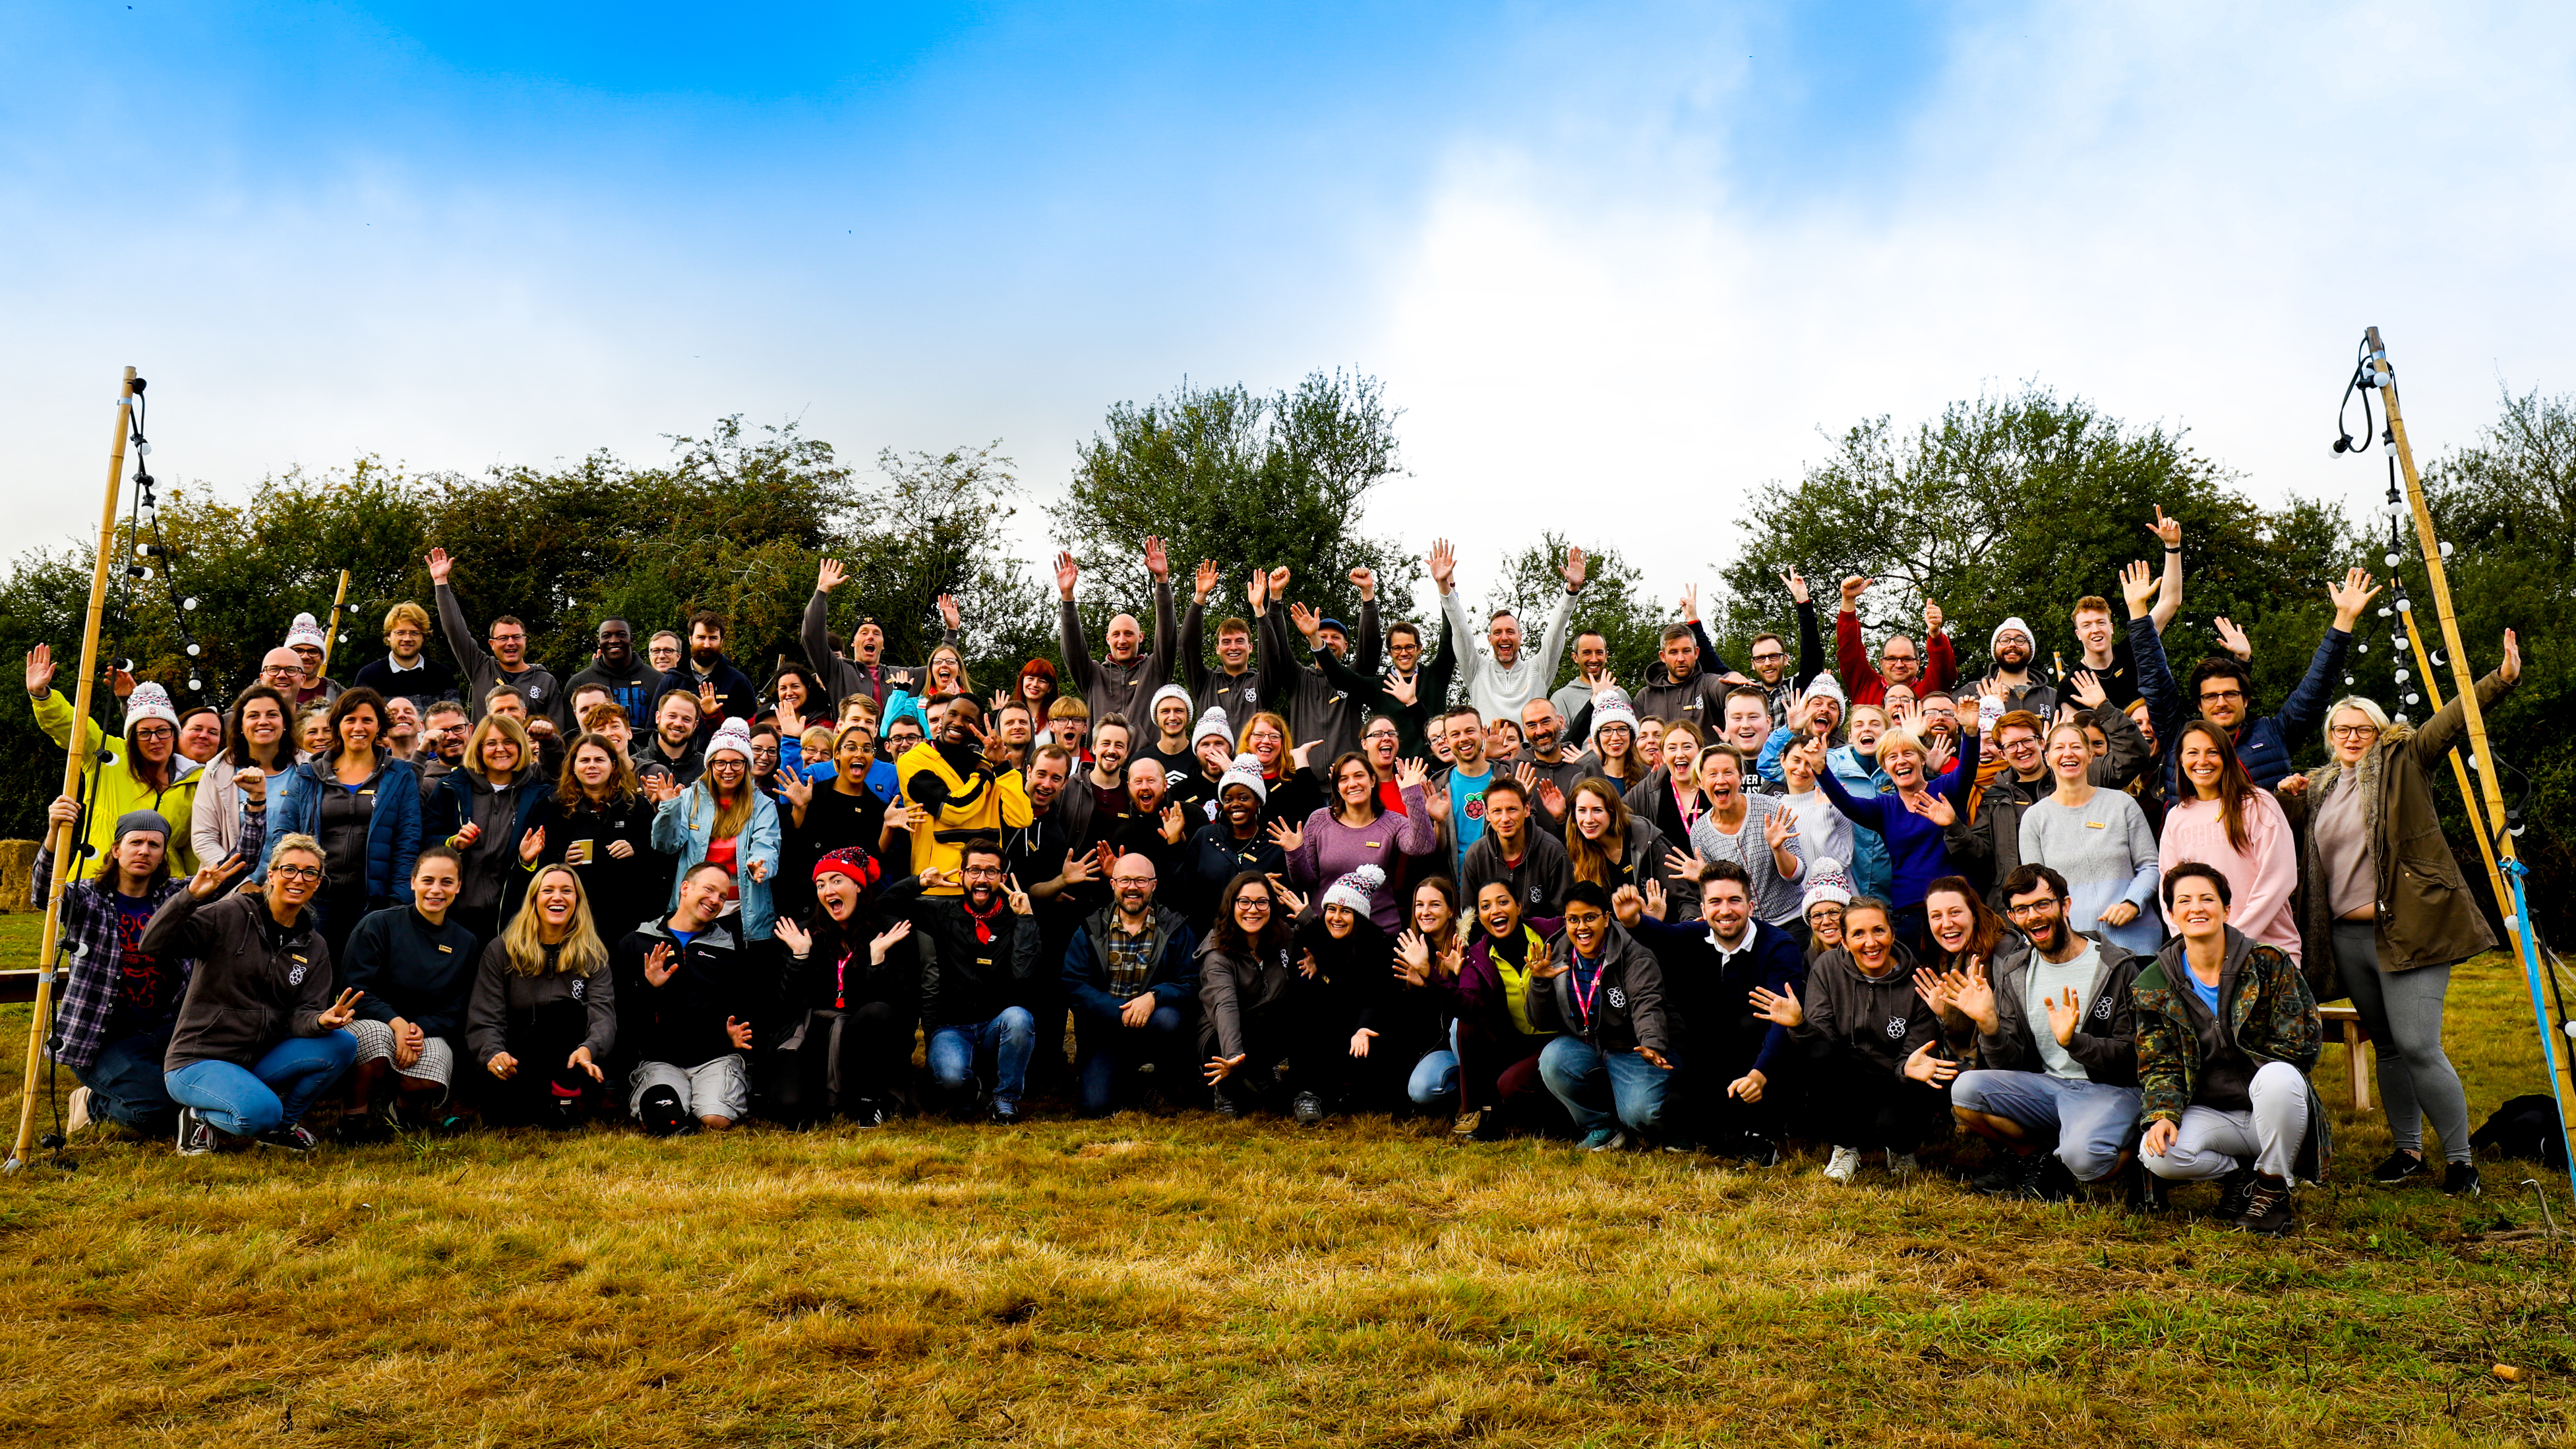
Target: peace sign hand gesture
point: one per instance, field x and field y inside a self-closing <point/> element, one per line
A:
<point x="1021" y="905"/>
<point x="341" y="1012"/>
<point x="211" y="879"/>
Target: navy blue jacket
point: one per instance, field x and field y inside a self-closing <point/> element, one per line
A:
<point x="1174" y="977"/>
<point x="393" y="826"/>
<point x="412" y="969"/>
<point x="1712" y="1005"/>
<point x="2263" y="744"/>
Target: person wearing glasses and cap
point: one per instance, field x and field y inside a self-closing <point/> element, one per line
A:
<point x="142" y="771"/>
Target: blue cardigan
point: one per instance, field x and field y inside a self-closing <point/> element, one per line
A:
<point x="1917" y="850"/>
<point x="393" y="827"/>
<point x="683" y="825"/>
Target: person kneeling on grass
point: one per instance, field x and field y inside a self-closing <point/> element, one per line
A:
<point x="847" y="1001"/>
<point x="1874" y="1071"/>
<point x="687" y="1000"/>
<point x="1129" y="973"/>
<point x="2226" y="1034"/>
<point x="544" y="1011"/>
<point x="977" y="953"/>
<point x="1729" y="1085"/>
<point x="1499" y="1042"/>
<point x="2058" y="1035"/>
<point x="259" y="1033"/>
<point x="1336" y="1061"/>
<point x="1249" y="994"/>
<point x="1605" y="993"/>
<point x="414" y="965"/>
<point x="119" y="1002"/>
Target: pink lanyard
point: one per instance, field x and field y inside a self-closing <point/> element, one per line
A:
<point x="1583" y="1000"/>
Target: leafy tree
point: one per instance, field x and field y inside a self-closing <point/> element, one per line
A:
<point x="2024" y="504"/>
<point x="1245" y="480"/>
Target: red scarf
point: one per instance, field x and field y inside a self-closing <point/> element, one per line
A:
<point x="984" y="922"/>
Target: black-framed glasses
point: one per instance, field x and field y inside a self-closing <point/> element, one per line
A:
<point x="296" y="872"/>
<point x="2027" y="908"/>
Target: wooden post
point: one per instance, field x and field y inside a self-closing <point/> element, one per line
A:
<point x="331" y="635"/>
<point x="2486" y="831"/>
<point x="62" y="838"/>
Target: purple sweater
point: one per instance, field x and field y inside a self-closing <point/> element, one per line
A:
<point x="1916" y="847"/>
<point x="1332" y="850"/>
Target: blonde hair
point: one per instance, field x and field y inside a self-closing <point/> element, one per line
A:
<point x="403" y="613"/>
<point x="582" y="951"/>
<point x="490" y="725"/>
<point x="731" y="819"/>
<point x="1902" y="740"/>
<point x="299" y="841"/>
<point x="2369" y="709"/>
<point x="965" y="685"/>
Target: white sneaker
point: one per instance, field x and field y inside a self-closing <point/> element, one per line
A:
<point x="1844" y="1166"/>
<point x="76" y="1111"/>
<point x="1901" y="1163"/>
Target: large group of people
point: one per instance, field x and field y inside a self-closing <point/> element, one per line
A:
<point x="1858" y="900"/>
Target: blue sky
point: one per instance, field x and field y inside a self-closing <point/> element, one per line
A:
<point x="1650" y="247"/>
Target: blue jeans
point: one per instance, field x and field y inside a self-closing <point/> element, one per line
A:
<point x="125" y="1083"/>
<point x="2094" y="1122"/>
<point x="1434" y="1079"/>
<point x="247" y="1102"/>
<point x="1601" y="1090"/>
<point x="1003" y="1045"/>
<point x="1102" y="1050"/>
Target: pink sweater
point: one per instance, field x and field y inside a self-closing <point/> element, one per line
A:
<point x="2260" y="878"/>
<point x="1332" y="850"/>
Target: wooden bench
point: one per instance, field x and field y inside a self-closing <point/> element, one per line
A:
<point x="2356" y="1063"/>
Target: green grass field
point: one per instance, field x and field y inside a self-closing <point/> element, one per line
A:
<point x="1172" y="1280"/>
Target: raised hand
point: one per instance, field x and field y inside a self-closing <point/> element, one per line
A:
<point x="937" y="878"/>
<point x="2088" y="688"/>
<point x="1295" y="903"/>
<point x="1402" y="691"/>
<point x="1443" y="563"/>
<point x="1550" y="798"/>
<point x="2356" y="591"/>
<point x="796" y="938"/>
<point x="120" y="682"/>
<point x="1413" y="958"/>
<point x="1279" y="582"/>
<point x="2062" y="1015"/>
<point x="1298" y="757"/>
<point x="2168" y="531"/>
<point x="1931" y="806"/>
<point x="1938" y="989"/>
<point x="706" y="696"/>
<point x="739" y="1033"/>
<point x="1574" y="571"/>
<point x="1527" y="774"/>
<point x="1656" y="900"/>
<point x="1066" y="573"/>
<point x="1205" y="582"/>
<point x="341" y="1012"/>
<point x="2232" y="639"/>
<point x="1690" y="604"/>
<point x="439" y="565"/>
<point x="1778" y="1007"/>
<point x="211" y="879"/>
<point x="1364" y="579"/>
<point x="1019" y="900"/>
<point x="468" y="833"/>
<point x="532" y="845"/>
<point x="1289" y="838"/>
<point x="1931" y="1070"/>
<point x="1156" y="562"/>
<point x="796" y="789"/>
<point x="1853" y="588"/>
<point x="660" y="964"/>
<point x="1797" y="586"/>
<point x="1077" y="867"/>
<point x="830" y="574"/>
<point x="1779" y="828"/>
<point x="2511" y="669"/>
<point x="948" y="616"/>
<point x="1689" y="867"/>
<point x="886" y="940"/>
<point x="1974" y="995"/>
<point x="1937" y="755"/>
<point x="1932" y="617"/>
<point x="901" y="816"/>
<point x="1307" y="621"/>
<point x="40" y="670"/>
<point x="2139" y="586"/>
<point x="1256" y="591"/>
<point x="1173" y="824"/>
<point x="1627" y="904"/>
<point x="1410" y="774"/>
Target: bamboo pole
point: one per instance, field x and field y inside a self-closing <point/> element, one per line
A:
<point x="2478" y="822"/>
<point x="2464" y="681"/>
<point x="331" y="636"/>
<point x="62" y="837"/>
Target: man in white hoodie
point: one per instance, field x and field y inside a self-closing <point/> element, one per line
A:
<point x="1499" y="682"/>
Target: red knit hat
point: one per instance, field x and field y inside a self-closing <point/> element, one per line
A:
<point x="849" y="860"/>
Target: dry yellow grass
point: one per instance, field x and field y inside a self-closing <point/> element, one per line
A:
<point x="1175" y="1280"/>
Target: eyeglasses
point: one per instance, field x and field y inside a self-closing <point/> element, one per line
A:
<point x="2220" y="696"/>
<point x="2031" y="908"/>
<point x="1887" y="658"/>
<point x="1252" y="903"/>
<point x="155" y="732"/>
<point x="2353" y="732"/>
<point x="1769" y="656"/>
<point x="295" y="872"/>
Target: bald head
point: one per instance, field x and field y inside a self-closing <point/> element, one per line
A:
<point x="1126" y="638"/>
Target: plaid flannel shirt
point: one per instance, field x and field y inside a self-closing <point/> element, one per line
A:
<point x="86" y="941"/>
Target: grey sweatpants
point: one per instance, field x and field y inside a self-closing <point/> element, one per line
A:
<point x="2210" y="1142"/>
<point x="2402" y="1011"/>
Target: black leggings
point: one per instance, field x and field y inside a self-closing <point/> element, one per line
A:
<point x="540" y="1041"/>
<point x="1857" y="1101"/>
<point x="845" y="1058"/>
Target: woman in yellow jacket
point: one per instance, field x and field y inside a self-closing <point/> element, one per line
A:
<point x="142" y="771"/>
